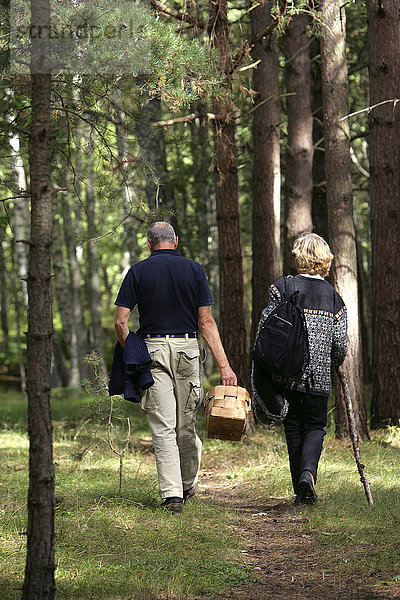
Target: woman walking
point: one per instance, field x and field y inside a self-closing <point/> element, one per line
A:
<point x="307" y="394"/>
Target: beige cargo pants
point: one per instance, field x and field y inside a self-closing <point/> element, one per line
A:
<point x="170" y="405"/>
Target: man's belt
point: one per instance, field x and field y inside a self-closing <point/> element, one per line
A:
<point x="166" y="336"/>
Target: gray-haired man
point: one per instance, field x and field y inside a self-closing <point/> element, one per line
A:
<point x="174" y="301"/>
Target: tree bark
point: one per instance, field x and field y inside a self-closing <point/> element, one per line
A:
<point x="20" y="216"/>
<point x="62" y="288"/>
<point x="266" y="167"/>
<point x="384" y="128"/>
<point x="232" y="317"/>
<point x="298" y="186"/>
<point x="3" y="291"/>
<point x="92" y="267"/>
<point x="319" y="201"/>
<point x="340" y="203"/>
<point x="79" y="345"/>
<point x="152" y="151"/>
<point x="16" y="292"/>
<point x="39" y="571"/>
<point x="202" y="182"/>
<point x="130" y="226"/>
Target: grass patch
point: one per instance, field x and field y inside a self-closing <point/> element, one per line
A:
<point x="110" y="547"/>
<point x="360" y="542"/>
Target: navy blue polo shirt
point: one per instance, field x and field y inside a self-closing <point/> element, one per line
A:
<point x="168" y="290"/>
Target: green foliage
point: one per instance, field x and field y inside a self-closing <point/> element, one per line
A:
<point x="107" y="40"/>
<point x="128" y="548"/>
<point x="107" y="546"/>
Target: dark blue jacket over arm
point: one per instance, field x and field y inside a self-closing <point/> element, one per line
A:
<point x="130" y="370"/>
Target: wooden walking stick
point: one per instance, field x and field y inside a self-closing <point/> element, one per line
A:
<point x="353" y="432"/>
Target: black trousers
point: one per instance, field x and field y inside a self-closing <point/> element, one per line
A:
<point x="305" y="430"/>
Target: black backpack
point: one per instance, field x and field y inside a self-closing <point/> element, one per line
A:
<point x="282" y="342"/>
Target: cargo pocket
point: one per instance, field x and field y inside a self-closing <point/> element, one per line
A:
<point x="188" y="363"/>
<point x="147" y="400"/>
<point x="154" y="357"/>
<point x="194" y="399"/>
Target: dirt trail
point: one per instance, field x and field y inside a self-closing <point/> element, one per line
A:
<point x="288" y="563"/>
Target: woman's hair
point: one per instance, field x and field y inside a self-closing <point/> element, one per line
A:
<point x="160" y="231"/>
<point x="312" y="254"/>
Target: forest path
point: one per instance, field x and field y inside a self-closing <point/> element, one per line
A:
<point x="288" y="562"/>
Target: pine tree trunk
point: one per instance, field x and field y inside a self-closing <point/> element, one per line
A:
<point x="20" y="216"/>
<point x="39" y="572"/>
<point x="16" y="292"/>
<point x="207" y="240"/>
<point x="298" y="186"/>
<point x="127" y="200"/>
<point x="152" y="151"/>
<point x="319" y="202"/>
<point x="340" y="203"/>
<point x="92" y="266"/>
<point x="3" y="291"/>
<point x="201" y="159"/>
<point x="266" y="168"/>
<point x="62" y="289"/>
<point x="232" y="318"/>
<point x="384" y="128"/>
<point x="79" y="346"/>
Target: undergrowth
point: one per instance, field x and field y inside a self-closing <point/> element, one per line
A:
<point x="110" y="546"/>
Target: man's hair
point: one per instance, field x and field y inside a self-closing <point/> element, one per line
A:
<point x="160" y="231"/>
<point x="312" y="254"/>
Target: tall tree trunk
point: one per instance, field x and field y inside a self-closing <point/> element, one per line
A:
<point x="130" y="226"/>
<point x="204" y="191"/>
<point x="266" y="167"/>
<point x="298" y="185"/>
<point x="79" y="346"/>
<point x="340" y="202"/>
<point x="152" y="151"/>
<point x="384" y="128"/>
<point x="3" y="290"/>
<point x="39" y="572"/>
<point x="232" y="318"/>
<point x="92" y="267"/>
<point x="202" y="183"/>
<point x="319" y="202"/>
<point x="20" y="215"/>
<point x="62" y="287"/>
<point x="16" y="292"/>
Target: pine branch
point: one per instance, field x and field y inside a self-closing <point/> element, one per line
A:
<point x="185" y="119"/>
<point x="184" y="17"/>
<point x="248" y="45"/>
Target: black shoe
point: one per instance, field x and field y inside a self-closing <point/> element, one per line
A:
<point x="307" y="489"/>
<point x="173" y="505"/>
<point x="190" y="492"/>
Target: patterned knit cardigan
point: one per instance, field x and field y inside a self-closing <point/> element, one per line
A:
<point x="326" y="319"/>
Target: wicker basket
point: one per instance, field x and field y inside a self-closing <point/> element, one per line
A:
<point x="227" y="407"/>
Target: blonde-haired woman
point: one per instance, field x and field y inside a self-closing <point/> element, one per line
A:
<point x="307" y="394"/>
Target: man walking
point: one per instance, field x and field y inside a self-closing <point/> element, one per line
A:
<point x="173" y="300"/>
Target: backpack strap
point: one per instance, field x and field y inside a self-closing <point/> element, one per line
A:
<point x="290" y="286"/>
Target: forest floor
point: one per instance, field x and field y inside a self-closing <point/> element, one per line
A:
<point x="283" y="552"/>
<point x="239" y="538"/>
<point x="288" y="564"/>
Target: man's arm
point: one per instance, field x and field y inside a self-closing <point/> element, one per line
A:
<point x="121" y="324"/>
<point x="209" y="330"/>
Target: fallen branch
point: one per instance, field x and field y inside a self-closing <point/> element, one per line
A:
<point x="353" y="433"/>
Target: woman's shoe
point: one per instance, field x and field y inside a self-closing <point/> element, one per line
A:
<point x="307" y="489"/>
